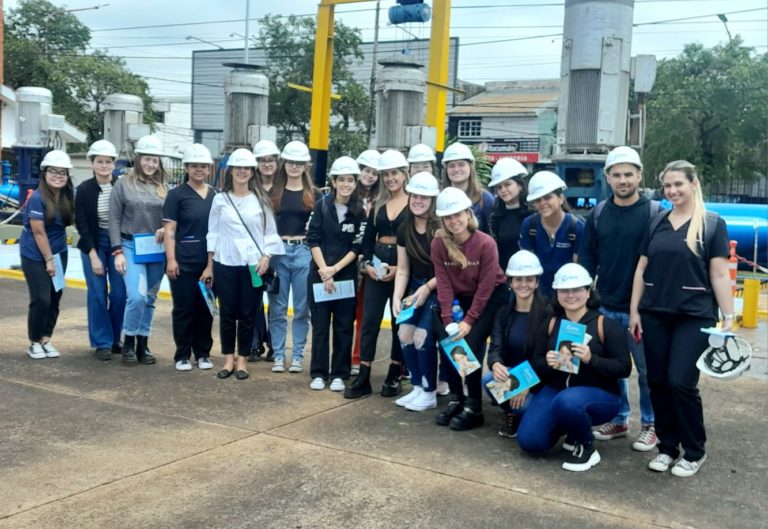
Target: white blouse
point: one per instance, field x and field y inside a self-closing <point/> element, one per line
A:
<point x="228" y="239"/>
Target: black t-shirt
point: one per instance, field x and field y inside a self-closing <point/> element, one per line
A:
<point x="676" y="280"/>
<point x="505" y="229"/>
<point x="419" y="269"/>
<point x="190" y="213"/>
<point x="514" y="343"/>
<point x="292" y="216"/>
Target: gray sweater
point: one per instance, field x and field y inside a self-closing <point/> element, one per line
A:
<point x="133" y="210"/>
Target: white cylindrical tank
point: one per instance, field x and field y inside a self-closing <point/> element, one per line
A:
<point x="33" y="102"/>
<point x="400" y="89"/>
<point x="121" y="111"/>
<point x="246" y="100"/>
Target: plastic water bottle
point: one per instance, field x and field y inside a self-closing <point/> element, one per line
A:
<point x="457" y="313"/>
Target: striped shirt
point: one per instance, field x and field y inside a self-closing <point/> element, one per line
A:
<point x="102" y="206"/>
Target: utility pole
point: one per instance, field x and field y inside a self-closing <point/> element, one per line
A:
<point x="247" y="29"/>
<point x="372" y="92"/>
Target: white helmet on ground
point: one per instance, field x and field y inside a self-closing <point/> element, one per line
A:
<point x="421" y="153"/>
<point x="197" y="153"/>
<point x="56" y="159"/>
<point x="505" y="169"/>
<point x="295" y="151"/>
<point x="265" y="148"/>
<point x="344" y="165"/>
<point x="392" y="159"/>
<point x="452" y="200"/>
<point x="149" y="145"/>
<point x="369" y="158"/>
<point x="726" y="358"/>
<point x="543" y="183"/>
<point x="571" y="275"/>
<point x="241" y="158"/>
<point x="458" y="151"/>
<point x="424" y="184"/>
<point x="524" y="263"/>
<point x="101" y="148"/>
<point x="622" y="154"/>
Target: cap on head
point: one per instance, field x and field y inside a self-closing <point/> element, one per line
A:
<point x="241" y="158"/>
<point x="101" y="148"/>
<point x="622" y="154"/>
<point x="450" y="201"/>
<point x="197" y="153"/>
<point x="543" y="183"/>
<point x="505" y="169"/>
<point x="56" y="158"/>
<point x="149" y="145"/>
<point x="457" y="151"/>
<point x="344" y="165"/>
<point x="424" y="184"/>
<point x="295" y="151"/>
<point x="523" y="264"/>
<point x="265" y="148"/>
<point x="392" y="159"/>
<point x="421" y="153"/>
<point x="369" y="158"/>
<point x="571" y="275"/>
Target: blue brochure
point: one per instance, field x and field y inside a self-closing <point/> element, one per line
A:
<point x="570" y="333"/>
<point x="460" y="355"/>
<point x="209" y="297"/>
<point x="521" y="377"/>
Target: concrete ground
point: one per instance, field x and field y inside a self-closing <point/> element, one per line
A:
<point x="89" y="444"/>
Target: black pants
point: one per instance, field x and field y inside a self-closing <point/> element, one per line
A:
<point x="260" y="330"/>
<point x="673" y="343"/>
<point x="43" y="299"/>
<point x="376" y="295"/>
<point x="338" y="315"/>
<point x="192" y="320"/>
<point x="238" y="303"/>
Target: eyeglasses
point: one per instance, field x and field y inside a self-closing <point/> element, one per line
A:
<point x="571" y="291"/>
<point x="295" y="164"/>
<point x="54" y="172"/>
<point x="267" y="161"/>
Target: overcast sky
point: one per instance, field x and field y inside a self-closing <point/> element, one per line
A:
<point x="165" y="53"/>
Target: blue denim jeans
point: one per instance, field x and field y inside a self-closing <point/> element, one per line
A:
<point x="572" y="411"/>
<point x="293" y="270"/>
<point x="142" y="283"/>
<point x="106" y="297"/>
<point x="638" y="356"/>
<point x="420" y="354"/>
<point x="487" y="377"/>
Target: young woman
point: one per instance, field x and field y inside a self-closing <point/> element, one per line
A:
<point x="467" y="269"/>
<point x="552" y="233"/>
<point x="334" y="236"/>
<point x="293" y="197"/>
<point x="106" y="288"/>
<point x="519" y="329"/>
<point x="509" y="208"/>
<point x="680" y="281"/>
<point x="386" y="216"/>
<point x="416" y="277"/>
<point x="241" y="240"/>
<point x="421" y="159"/>
<point x="136" y="208"/>
<point x="459" y="165"/>
<point x="185" y="217"/>
<point x="572" y="404"/>
<point x="43" y="248"/>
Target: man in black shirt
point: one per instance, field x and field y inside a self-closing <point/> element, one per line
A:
<point x="610" y="251"/>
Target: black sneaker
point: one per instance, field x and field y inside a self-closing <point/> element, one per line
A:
<point x="470" y="417"/>
<point x="104" y="354"/>
<point x="582" y="458"/>
<point x="392" y="385"/>
<point x="455" y="405"/>
<point x="361" y="386"/>
<point x="117" y="348"/>
<point x="511" y="423"/>
<point x="255" y="354"/>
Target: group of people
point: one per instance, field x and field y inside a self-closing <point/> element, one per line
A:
<point x="454" y="262"/>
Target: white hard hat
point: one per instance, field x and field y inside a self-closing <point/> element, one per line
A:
<point x="56" y="159"/>
<point x="295" y="151"/>
<point x="150" y="145"/>
<point x="457" y="151"/>
<point x="543" y="183"/>
<point x="622" y="154"/>
<point x="571" y="275"/>
<point x="344" y="165"/>
<point x="505" y="169"/>
<point x="524" y="263"/>
<point x="241" y="158"/>
<point x="101" y="148"/>
<point x="392" y="160"/>
<point x="265" y="148"/>
<point x="424" y="184"/>
<point x="452" y="200"/>
<point x="726" y="358"/>
<point x="420" y="153"/>
<point x="369" y="158"/>
<point x="197" y="153"/>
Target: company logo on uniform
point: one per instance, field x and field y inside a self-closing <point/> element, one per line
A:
<point x="348" y="228"/>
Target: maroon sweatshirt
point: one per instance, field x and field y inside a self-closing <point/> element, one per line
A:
<point x="478" y="280"/>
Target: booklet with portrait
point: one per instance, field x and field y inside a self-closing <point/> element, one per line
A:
<point x="461" y="356"/>
<point x="521" y="378"/>
<point x="570" y="333"/>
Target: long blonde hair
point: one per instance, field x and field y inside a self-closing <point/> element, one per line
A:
<point x="454" y="251"/>
<point x="159" y="178"/>
<point x="384" y="195"/>
<point x="695" y="235"/>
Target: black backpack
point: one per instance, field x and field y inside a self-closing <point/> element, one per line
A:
<point x="536" y="224"/>
<point x="655" y="207"/>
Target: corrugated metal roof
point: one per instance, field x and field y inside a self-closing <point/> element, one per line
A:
<point x="505" y="103"/>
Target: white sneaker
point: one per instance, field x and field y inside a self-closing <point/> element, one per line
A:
<point x="278" y="366"/>
<point x="183" y="365"/>
<point x="686" y="469"/>
<point x="205" y="363"/>
<point x="317" y="384"/>
<point x="50" y="350"/>
<point x="660" y="463"/>
<point x="36" y="351"/>
<point x="425" y="401"/>
<point x="443" y="389"/>
<point x="405" y="399"/>
<point x="296" y="366"/>
<point x="337" y="385"/>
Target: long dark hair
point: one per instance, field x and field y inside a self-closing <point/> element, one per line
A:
<point x="281" y="179"/>
<point x="254" y="186"/>
<point x="370" y="193"/>
<point x="63" y="204"/>
<point x="412" y="246"/>
<point x="354" y="206"/>
<point x="538" y="321"/>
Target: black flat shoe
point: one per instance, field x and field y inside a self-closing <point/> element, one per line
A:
<point x="241" y="375"/>
<point x="225" y="373"/>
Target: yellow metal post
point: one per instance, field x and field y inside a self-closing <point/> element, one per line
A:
<point x="439" y="48"/>
<point x="749" y="313"/>
<point x="321" y="88"/>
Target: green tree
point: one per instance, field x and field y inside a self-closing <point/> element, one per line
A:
<point x="45" y="46"/>
<point x="710" y="107"/>
<point x="289" y="47"/>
